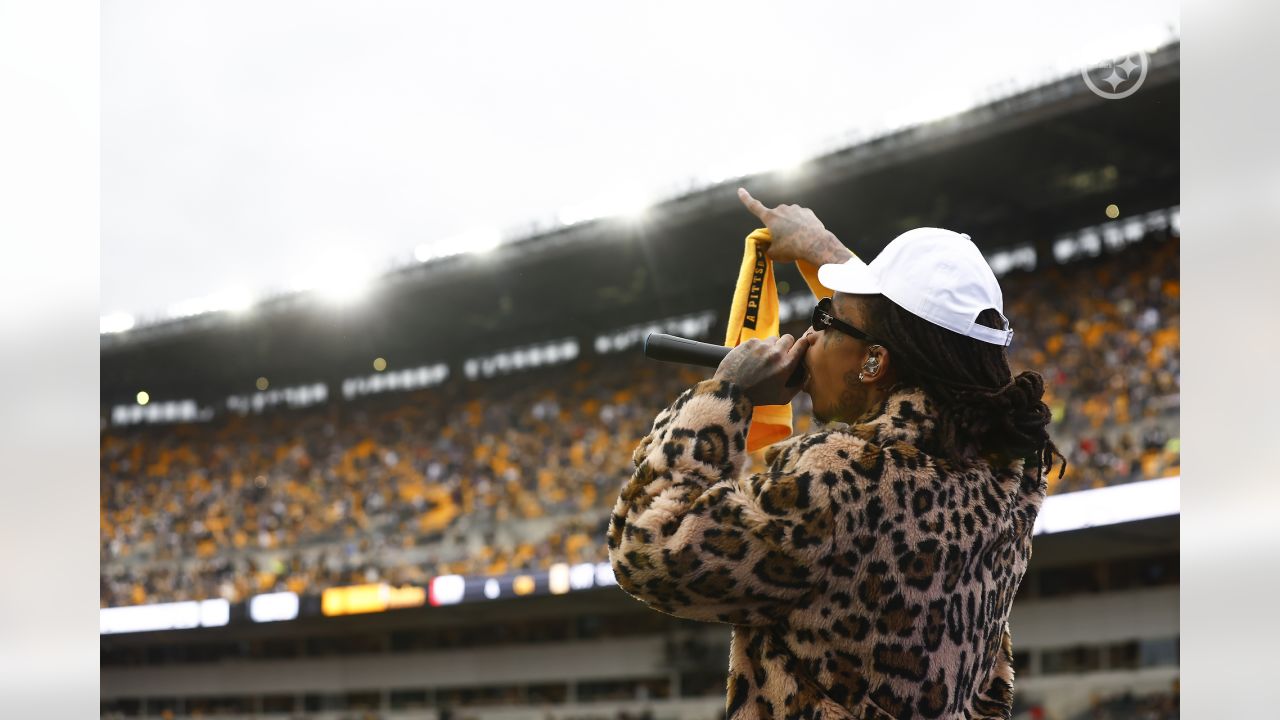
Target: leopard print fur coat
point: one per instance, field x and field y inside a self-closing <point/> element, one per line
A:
<point x="863" y="577"/>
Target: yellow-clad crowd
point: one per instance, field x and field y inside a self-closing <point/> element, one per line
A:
<point x="1104" y="332"/>
<point x="368" y="490"/>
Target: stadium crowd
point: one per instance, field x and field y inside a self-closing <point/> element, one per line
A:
<point x="332" y="495"/>
<point x="1151" y="706"/>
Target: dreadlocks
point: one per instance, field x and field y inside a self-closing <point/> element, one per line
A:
<point x="983" y="408"/>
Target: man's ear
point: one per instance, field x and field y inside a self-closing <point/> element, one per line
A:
<point x="888" y="372"/>
<point x="877" y="368"/>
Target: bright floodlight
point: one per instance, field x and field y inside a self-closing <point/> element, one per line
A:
<point x="341" y="279"/>
<point x="783" y="159"/>
<point x="346" y="289"/>
<point x="788" y="163"/>
<point x="236" y="300"/>
<point x="476" y="241"/>
<point x="632" y="208"/>
<point x="628" y="204"/>
<point x="574" y="214"/>
<point x="435" y="249"/>
<point x="115" y="323"/>
<point x="930" y="106"/>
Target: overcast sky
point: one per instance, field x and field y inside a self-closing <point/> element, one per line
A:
<point x="267" y="145"/>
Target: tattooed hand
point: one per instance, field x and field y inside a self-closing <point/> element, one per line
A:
<point x="797" y="233"/>
<point x="762" y="367"/>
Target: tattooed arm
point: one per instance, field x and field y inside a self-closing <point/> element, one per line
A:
<point x="797" y="233"/>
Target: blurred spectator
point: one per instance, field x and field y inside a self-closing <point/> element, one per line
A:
<point x="1104" y="332"/>
<point x="1126" y="706"/>
<point x="188" y="511"/>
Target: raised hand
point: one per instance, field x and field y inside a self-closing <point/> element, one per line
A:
<point x="797" y="233"/>
<point x="762" y="367"/>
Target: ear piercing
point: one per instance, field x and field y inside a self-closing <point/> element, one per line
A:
<point x="870" y="366"/>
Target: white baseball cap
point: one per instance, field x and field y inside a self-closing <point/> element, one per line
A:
<point x="934" y="274"/>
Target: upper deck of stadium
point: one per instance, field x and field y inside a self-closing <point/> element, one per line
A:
<point x="1019" y="171"/>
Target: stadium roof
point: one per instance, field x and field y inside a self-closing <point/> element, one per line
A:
<point x="1022" y="169"/>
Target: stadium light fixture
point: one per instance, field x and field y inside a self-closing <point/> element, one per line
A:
<point x="188" y="307"/>
<point x="340" y="280"/>
<point x="782" y="159"/>
<point x="633" y="209"/>
<point x="236" y="300"/>
<point x="785" y="161"/>
<point x="185" y="308"/>
<point x="630" y="205"/>
<point x="789" y="168"/>
<point x="435" y="249"/>
<point x="929" y="107"/>
<point x="345" y="290"/>
<point x="478" y="241"/>
<point x="574" y="214"/>
<point x="424" y="252"/>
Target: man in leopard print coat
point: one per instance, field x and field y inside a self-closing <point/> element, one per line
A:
<point x="868" y="572"/>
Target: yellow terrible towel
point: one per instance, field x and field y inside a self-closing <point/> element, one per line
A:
<point x="754" y="314"/>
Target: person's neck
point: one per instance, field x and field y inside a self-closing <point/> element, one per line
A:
<point x="871" y="408"/>
<point x="879" y="395"/>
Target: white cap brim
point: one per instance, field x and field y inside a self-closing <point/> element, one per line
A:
<point x="852" y="276"/>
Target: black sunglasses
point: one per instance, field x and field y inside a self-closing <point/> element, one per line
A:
<point x="824" y="317"/>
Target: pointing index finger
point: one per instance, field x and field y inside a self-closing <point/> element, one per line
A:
<point x="756" y="207"/>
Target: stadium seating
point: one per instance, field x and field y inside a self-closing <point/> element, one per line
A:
<point x="498" y="475"/>
<point x="1155" y="706"/>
